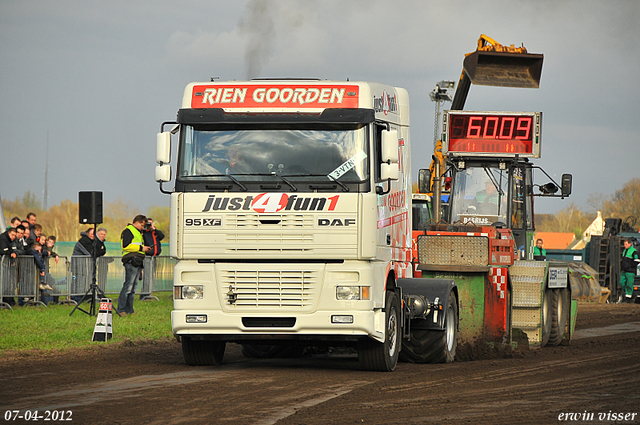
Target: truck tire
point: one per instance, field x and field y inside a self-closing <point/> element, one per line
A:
<point x="202" y="353"/>
<point x="378" y="356"/>
<point x="434" y="346"/>
<point x="547" y="316"/>
<point x="559" y="316"/>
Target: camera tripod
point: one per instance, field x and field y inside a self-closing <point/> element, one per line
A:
<point x="91" y="294"/>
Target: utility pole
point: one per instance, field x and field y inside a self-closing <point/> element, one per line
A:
<point x="46" y="177"/>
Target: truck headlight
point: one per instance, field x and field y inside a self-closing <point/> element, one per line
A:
<point x="189" y="292"/>
<point x="353" y="292"/>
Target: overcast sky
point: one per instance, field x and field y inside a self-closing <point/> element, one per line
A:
<point x="98" y="78"/>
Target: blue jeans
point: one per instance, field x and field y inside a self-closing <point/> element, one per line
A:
<point x="128" y="293"/>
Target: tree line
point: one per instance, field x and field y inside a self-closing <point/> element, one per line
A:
<point x="62" y="220"/>
<point x="623" y="204"/>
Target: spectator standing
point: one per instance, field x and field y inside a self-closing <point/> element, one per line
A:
<point x="8" y="250"/>
<point x="103" y="264"/>
<point x="7" y="246"/>
<point x="98" y="242"/>
<point x="35" y="233"/>
<point x="133" y="253"/>
<point x="629" y="266"/>
<point x="81" y="268"/>
<point x="47" y="253"/>
<point x="15" y="222"/>
<point x="84" y="246"/>
<point x="36" y="251"/>
<point x="48" y="248"/>
<point x="20" y="243"/>
<point x="539" y="253"/>
<point x="31" y="221"/>
<point x="152" y="237"/>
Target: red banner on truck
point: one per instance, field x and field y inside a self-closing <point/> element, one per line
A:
<point x="275" y="96"/>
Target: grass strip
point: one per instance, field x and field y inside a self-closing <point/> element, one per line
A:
<point x="51" y="328"/>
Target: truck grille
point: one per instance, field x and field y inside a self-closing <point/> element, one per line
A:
<point x="268" y="288"/>
<point x="453" y="250"/>
<point x="271" y="220"/>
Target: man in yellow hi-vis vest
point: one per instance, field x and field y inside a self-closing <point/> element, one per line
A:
<point x="133" y="252"/>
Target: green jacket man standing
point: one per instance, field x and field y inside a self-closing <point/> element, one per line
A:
<point x="539" y="253"/>
<point x="628" y="265"/>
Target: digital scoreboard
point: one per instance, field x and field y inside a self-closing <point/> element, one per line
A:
<point x="502" y="134"/>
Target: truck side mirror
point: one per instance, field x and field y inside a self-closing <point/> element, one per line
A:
<point x="389" y="171"/>
<point x="390" y="146"/>
<point x="424" y="181"/>
<point x="163" y="173"/>
<point x="566" y="184"/>
<point x="163" y="148"/>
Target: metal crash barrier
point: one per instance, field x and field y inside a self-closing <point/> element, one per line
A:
<point x="70" y="279"/>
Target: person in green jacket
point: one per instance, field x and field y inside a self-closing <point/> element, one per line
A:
<point x="539" y="253"/>
<point x="628" y="265"/>
<point x="133" y="253"/>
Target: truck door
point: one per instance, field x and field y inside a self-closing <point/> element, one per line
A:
<point x="522" y="209"/>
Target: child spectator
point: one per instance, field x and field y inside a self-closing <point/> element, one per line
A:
<point x="36" y="251"/>
<point x="35" y="233"/>
<point x="47" y="250"/>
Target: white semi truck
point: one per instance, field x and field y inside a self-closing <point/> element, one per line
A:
<point x="291" y="220"/>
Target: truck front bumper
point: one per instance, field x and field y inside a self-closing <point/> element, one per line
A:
<point x="317" y="326"/>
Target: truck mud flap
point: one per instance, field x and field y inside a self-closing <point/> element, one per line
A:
<point x="528" y="281"/>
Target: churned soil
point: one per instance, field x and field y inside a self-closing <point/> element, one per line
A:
<point x="147" y="382"/>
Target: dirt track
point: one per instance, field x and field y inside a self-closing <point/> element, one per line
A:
<point x="149" y="383"/>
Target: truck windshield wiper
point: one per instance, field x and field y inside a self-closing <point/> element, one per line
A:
<point x="344" y="187"/>
<point x="333" y="179"/>
<point x="291" y="185"/>
<point x="233" y="179"/>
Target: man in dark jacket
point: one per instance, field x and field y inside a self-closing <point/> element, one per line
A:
<point x="99" y="247"/>
<point x="19" y="242"/>
<point x="152" y="238"/>
<point x="8" y="253"/>
<point x="6" y="243"/>
<point x="84" y="246"/>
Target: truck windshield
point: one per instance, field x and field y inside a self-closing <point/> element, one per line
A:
<point x="479" y="196"/>
<point x="293" y="153"/>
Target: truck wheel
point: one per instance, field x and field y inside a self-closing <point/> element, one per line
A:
<point x="547" y="312"/>
<point x="434" y="346"/>
<point x="560" y="313"/>
<point x="202" y="353"/>
<point x="383" y="357"/>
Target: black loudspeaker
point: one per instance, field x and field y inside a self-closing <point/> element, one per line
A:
<point x="90" y="207"/>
